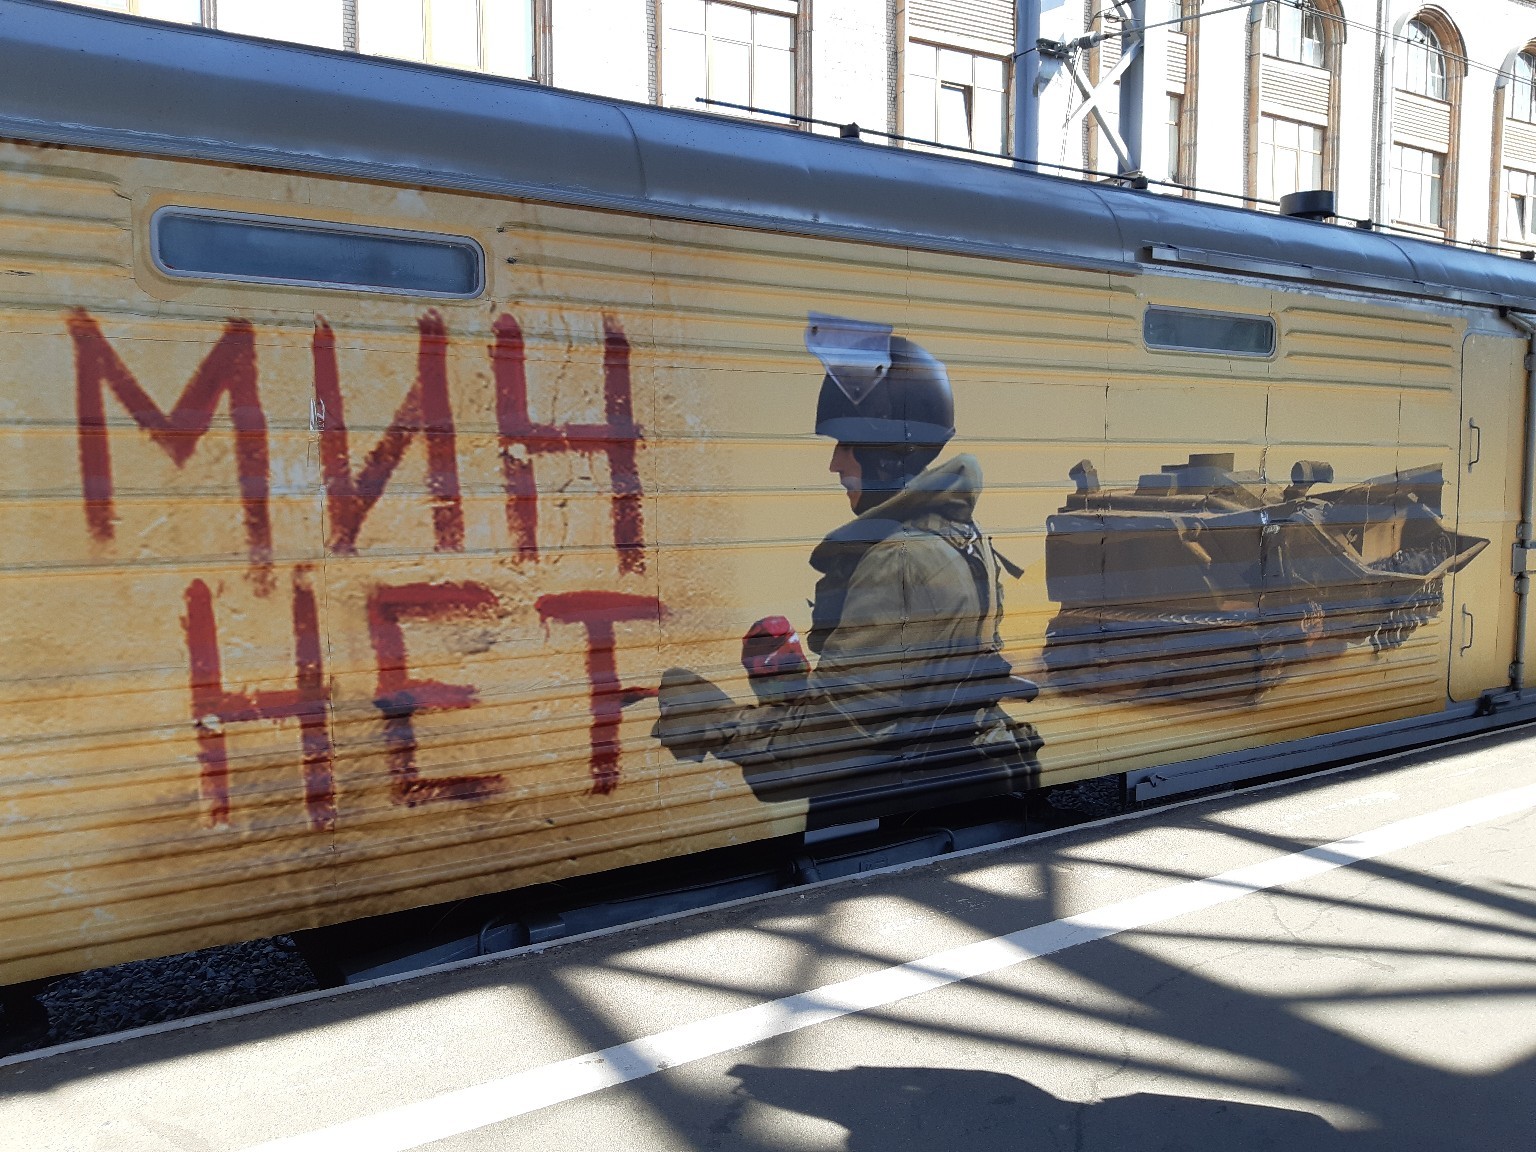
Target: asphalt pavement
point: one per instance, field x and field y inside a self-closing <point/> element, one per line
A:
<point x="1346" y="961"/>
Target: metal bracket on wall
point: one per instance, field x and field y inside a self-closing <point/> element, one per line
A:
<point x="1072" y="54"/>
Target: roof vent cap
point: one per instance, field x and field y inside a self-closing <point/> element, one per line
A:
<point x="1314" y="204"/>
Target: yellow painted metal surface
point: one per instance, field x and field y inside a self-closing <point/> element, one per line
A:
<point x="1492" y="442"/>
<point x="289" y="640"/>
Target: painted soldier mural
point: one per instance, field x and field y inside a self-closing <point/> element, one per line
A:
<point x="907" y="689"/>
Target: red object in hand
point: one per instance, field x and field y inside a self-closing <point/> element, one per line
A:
<point x="773" y="658"/>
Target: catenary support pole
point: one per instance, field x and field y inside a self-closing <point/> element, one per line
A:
<point x="1133" y="85"/>
<point x="1026" y="80"/>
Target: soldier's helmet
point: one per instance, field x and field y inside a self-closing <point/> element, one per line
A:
<point x="880" y="390"/>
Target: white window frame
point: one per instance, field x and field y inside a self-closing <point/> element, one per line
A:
<point x="1285" y="34"/>
<point x="1519" y="207"/>
<point x="770" y="8"/>
<point x="1428" y="181"/>
<point x="970" y="93"/>
<point x="1425" y="71"/>
<point x="131" y="8"/>
<point x="1522" y="88"/>
<point x="483" y="49"/>
<point x="1175" y="117"/>
<point x="1270" y="146"/>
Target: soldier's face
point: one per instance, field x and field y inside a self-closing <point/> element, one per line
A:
<point x="849" y="474"/>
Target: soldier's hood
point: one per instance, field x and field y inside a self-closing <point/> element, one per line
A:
<point x="946" y="492"/>
<point x="950" y="490"/>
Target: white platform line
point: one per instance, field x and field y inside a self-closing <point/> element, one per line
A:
<point x="410" y="1126"/>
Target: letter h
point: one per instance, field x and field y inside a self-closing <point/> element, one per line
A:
<point x="521" y="439"/>
<point x="214" y="706"/>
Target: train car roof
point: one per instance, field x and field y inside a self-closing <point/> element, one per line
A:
<point x="74" y="76"/>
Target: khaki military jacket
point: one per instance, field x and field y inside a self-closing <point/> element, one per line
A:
<point x="909" y="600"/>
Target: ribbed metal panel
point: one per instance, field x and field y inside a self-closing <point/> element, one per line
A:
<point x="456" y="672"/>
<point x="1421" y="121"/>
<point x="1295" y="91"/>
<point x="1520" y="145"/>
<point x="979" y="19"/>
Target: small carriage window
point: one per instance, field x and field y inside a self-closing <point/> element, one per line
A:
<point x="196" y="242"/>
<point x="1189" y="331"/>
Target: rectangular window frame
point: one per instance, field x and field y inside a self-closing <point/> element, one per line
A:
<point x="1428" y="177"/>
<point x="755" y="46"/>
<point x="981" y="113"/>
<point x="1207" y="350"/>
<point x="1298" y="136"/>
<point x="1519" y="201"/>
<point x="311" y="224"/>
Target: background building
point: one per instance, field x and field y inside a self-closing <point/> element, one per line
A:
<point x="1419" y="116"/>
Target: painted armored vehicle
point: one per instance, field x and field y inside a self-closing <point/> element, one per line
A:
<point x="1204" y="581"/>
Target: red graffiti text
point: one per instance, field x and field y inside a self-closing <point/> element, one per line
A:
<point x="230" y="367"/>
<point x="598" y="612"/>
<point x="402" y="697"/>
<point x="214" y="707"/>
<point x="522" y="439"/>
<point x="424" y="412"/>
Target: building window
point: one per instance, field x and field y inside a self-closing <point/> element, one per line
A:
<point x="1423" y="62"/>
<point x="1290" y="157"/>
<point x="1292" y="33"/>
<point x="956" y="98"/>
<point x="479" y="35"/>
<point x="1520" y="206"/>
<point x="727" y="52"/>
<point x="1418" y="179"/>
<point x="1175" y="136"/>
<point x="176" y="11"/>
<point x="1522" y="89"/>
<point x="316" y="22"/>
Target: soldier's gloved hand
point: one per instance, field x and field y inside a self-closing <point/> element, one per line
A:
<point x="694" y="715"/>
<point x="774" y="661"/>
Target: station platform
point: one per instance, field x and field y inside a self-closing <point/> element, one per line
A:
<point x="1345" y="961"/>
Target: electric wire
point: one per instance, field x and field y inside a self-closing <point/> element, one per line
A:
<point x="1302" y="5"/>
<point x="1477" y="65"/>
<point x="1091" y="39"/>
<point x="855" y="130"/>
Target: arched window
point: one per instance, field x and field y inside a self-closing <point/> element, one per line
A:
<point x="1292" y="33"/>
<point x="1512" y="222"/>
<point x="1293" y="128"/>
<point x="1522" y="88"/>
<point x="1423" y="62"/>
<point x="1430" y="64"/>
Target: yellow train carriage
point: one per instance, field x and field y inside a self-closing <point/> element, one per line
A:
<point x="376" y="439"/>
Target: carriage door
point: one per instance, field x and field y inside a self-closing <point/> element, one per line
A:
<point x="1481" y="598"/>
